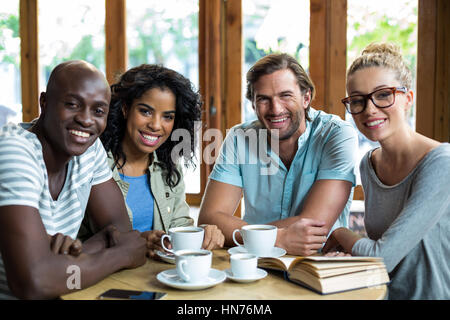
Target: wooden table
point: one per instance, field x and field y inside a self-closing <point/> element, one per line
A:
<point x="272" y="287"/>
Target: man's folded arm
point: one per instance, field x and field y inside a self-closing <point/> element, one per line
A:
<point x="219" y="203"/>
<point x="105" y="207"/>
<point x="325" y="202"/>
<point x="35" y="272"/>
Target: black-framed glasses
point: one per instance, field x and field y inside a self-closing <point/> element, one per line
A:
<point x="381" y="98"/>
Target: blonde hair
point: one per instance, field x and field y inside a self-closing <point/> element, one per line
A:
<point x="387" y="55"/>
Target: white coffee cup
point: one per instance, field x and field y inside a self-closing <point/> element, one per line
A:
<point x="259" y="239"/>
<point x="243" y="265"/>
<point x="193" y="265"/>
<point x="184" y="238"/>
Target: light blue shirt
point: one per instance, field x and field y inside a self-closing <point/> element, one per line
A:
<point x="326" y="150"/>
<point x="140" y="200"/>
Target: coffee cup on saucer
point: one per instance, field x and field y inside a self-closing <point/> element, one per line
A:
<point x="243" y="265"/>
<point x="184" y="238"/>
<point x="193" y="266"/>
<point x="259" y="239"/>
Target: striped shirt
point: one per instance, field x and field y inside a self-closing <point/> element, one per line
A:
<point x="24" y="181"/>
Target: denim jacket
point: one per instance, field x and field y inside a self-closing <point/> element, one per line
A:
<point x="170" y="207"/>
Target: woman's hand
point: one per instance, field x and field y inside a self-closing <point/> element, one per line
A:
<point x="332" y="248"/>
<point x="153" y="238"/>
<point x="337" y="254"/>
<point x="214" y="237"/>
<point x="340" y="240"/>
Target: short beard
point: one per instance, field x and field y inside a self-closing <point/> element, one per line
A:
<point x="293" y="129"/>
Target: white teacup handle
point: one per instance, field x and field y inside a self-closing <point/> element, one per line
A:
<point x="183" y="274"/>
<point x="234" y="237"/>
<point x="162" y="242"/>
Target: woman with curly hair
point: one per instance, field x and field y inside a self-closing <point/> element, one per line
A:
<point x="148" y="104"/>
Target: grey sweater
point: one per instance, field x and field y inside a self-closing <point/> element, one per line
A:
<point x="408" y="224"/>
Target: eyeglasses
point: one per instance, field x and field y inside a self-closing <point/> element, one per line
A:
<point x="381" y="98"/>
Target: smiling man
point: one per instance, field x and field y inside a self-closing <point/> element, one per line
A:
<point x="51" y="171"/>
<point x="310" y="193"/>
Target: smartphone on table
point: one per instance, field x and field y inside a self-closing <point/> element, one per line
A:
<point x="113" y="294"/>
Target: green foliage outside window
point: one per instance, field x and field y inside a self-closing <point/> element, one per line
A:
<point x="9" y="30"/>
<point x="152" y="28"/>
<point x="388" y="31"/>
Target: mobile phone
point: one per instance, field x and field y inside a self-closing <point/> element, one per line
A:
<point x="131" y="295"/>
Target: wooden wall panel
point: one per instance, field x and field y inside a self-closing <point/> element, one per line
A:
<point x="426" y="67"/>
<point x="29" y="59"/>
<point x="328" y="50"/>
<point x="211" y="66"/>
<point x="336" y="56"/>
<point x="433" y="70"/>
<point x="213" y="62"/>
<point x="210" y="79"/>
<point x="317" y="52"/>
<point x="442" y="102"/>
<point x="234" y="61"/>
<point x="116" y="55"/>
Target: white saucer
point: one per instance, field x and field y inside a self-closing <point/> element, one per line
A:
<point x="166" y="256"/>
<point x="276" y="252"/>
<point x="171" y="279"/>
<point x="260" y="273"/>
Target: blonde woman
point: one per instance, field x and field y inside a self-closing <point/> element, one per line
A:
<point x="405" y="181"/>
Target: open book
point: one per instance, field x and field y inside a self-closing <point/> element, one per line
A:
<point x="330" y="274"/>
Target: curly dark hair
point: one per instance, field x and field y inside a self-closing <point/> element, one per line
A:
<point x="132" y="85"/>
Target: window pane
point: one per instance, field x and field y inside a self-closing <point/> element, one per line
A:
<point x="166" y="32"/>
<point x="274" y="26"/>
<point x="70" y="30"/>
<point x="10" y="99"/>
<point x="382" y="21"/>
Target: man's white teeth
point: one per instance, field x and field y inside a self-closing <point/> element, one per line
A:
<point x="374" y="123"/>
<point x="80" y="133"/>
<point x="150" y="138"/>
<point x="278" y="120"/>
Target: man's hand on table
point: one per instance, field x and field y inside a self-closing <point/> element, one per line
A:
<point x="214" y="237"/>
<point x="304" y="237"/>
<point x="130" y="244"/>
